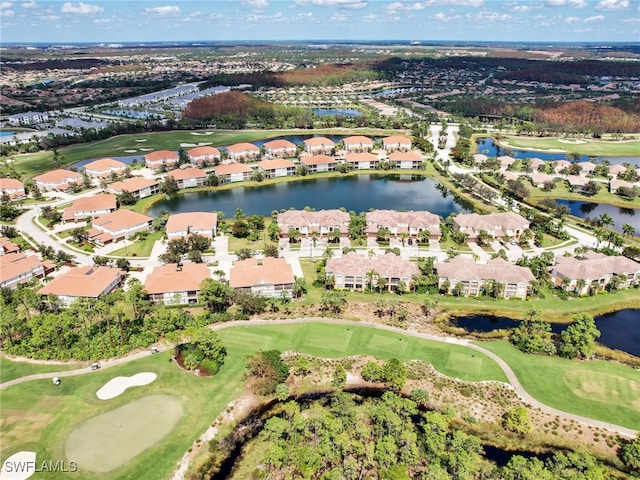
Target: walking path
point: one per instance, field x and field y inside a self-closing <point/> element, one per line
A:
<point x="511" y="376"/>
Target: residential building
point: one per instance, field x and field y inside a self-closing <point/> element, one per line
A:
<point x="118" y="225"/>
<point x="28" y="118"/>
<point x="7" y="246"/>
<point x="188" y="177"/>
<point x="59" y="180"/>
<point x="17" y="268"/>
<point x="319" y="163"/>
<point x="398" y="223"/>
<point x="354" y="271"/>
<point x="537" y="164"/>
<point x="322" y="222"/>
<point x="362" y="161"/>
<point x="561" y="165"/>
<point x="105" y="167"/>
<point x="577" y="183"/>
<point x="160" y="159"/>
<point x="243" y="152"/>
<point x="479" y="158"/>
<point x="233" y="172"/>
<point x="506" y="161"/>
<point x="192" y="223"/>
<point x="277" y="168"/>
<point x="539" y="179"/>
<point x="265" y="277"/>
<point x="280" y="148"/>
<point x="176" y="284"/>
<point x="498" y="225"/>
<point x="138" y="186"/>
<point x="204" y="155"/>
<point x="616" y="169"/>
<point x="408" y="160"/>
<point x="468" y="278"/>
<point x="615" y="184"/>
<point x="593" y="272"/>
<point x="89" y="207"/>
<point x="587" y="168"/>
<point x="89" y="282"/>
<point x="319" y="145"/>
<point x="12" y="188"/>
<point x="396" y="143"/>
<point x="357" y="143"/>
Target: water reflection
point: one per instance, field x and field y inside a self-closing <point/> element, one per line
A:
<point x="590" y="210"/>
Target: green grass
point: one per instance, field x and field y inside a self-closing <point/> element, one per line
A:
<point x="598" y="148"/>
<point x="139" y="248"/>
<point x="10" y="369"/>
<point x="562" y="191"/>
<point x="597" y="389"/>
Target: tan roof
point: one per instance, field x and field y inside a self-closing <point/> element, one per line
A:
<point x="247" y="273"/>
<point x="243" y="147"/>
<point x="560" y="164"/>
<point x="317" y="160"/>
<point x="15" y="264"/>
<point x="388" y="265"/>
<point x="230" y="168"/>
<point x="577" y="180"/>
<point x="587" y="166"/>
<point x="396" y="140"/>
<point x="132" y="184"/>
<point x="594" y="265"/>
<point x="170" y="278"/>
<point x="319" y="142"/>
<point x="504" y="220"/>
<point x="105" y="164"/>
<point x="537" y="178"/>
<point x="361" y="157"/>
<point x="419" y="219"/>
<point x="275" y="164"/>
<point x="614" y="185"/>
<point x="202" y="151"/>
<point x="7" y="246"/>
<point x="405" y="156"/>
<point x="58" y="176"/>
<point x="279" y="144"/>
<point x="187" y="173"/>
<point x="121" y="220"/>
<point x="506" y="160"/>
<point x="159" y="155"/>
<point x="616" y="169"/>
<point x="303" y="218"/>
<point x="180" y="222"/>
<point x="537" y="163"/>
<point x="10" y="184"/>
<point x="464" y="269"/>
<point x="101" y="201"/>
<point x="357" y="140"/>
<point x="479" y="158"/>
<point x="87" y="281"/>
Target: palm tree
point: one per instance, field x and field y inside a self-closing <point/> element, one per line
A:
<point x="314" y="237"/>
<point x="403" y="237"/>
<point x="628" y="230"/>
<point x="370" y="276"/>
<point x="605" y="220"/>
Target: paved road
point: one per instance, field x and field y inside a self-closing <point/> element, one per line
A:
<point x="515" y="383"/>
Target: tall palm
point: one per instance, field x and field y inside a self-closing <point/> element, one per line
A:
<point x="370" y="276"/>
<point x="628" y="230"/>
<point x="606" y="220"/>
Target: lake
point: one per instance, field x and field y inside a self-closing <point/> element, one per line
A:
<point x="6" y="133"/>
<point x="489" y="148"/>
<point x="592" y="210"/>
<point x="356" y="192"/>
<point x="620" y="330"/>
<point x="344" y="112"/>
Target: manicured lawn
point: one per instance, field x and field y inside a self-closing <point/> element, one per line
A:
<point x="139" y="248"/>
<point x="10" y="369"/>
<point x="585" y="147"/>
<point x="597" y="389"/>
<point x="562" y="192"/>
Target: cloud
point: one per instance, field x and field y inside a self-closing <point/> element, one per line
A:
<point x="30" y="5"/>
<point x="275" y="18"/>
<point x="258" y="4"/>
<point x="81" y="8"/>
<point x="405" y="7"/>
<point x="566" y="3"/>
<point x="442" y="17"/>
<point x="572" y="20"/>
<point x="595" y="18"/>
<point x="163" y="11"/>
<point x="456" y="3"/>
<point x="338" y="17"/>
<point x="489" y="16"/>
<point x="350" y="4"/>
<point x="610" y="5"/>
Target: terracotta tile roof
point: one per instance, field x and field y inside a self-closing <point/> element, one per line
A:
<point x="587" y="166"/>
<point x="247" y="273"/>
<point x="203" y="151"/>
<point x="538" y="178"/>
<point x="275" y="164"/>
<point x="594" y="265"/>
<point x="422" y="219"/>
<point x="181" y="222"/>
<point x="504" y="221"/>
<point x="160" y="155"/>
<point x="121" y="220"/>
<point x="537" y="163"/>
<point x="132" y="184"/>
<point x="396" y="140"/>
<point x="105" y="164"/>
<point x="169" y="278"/>
<point x="358" y="140"/>
<point x="405" y="157"/>
<point x="479" y="158"/>
<point x="7" y="246"/>
<point x="616" y="169"/>
<point x="101" y="201"/>
<point x="230" y="168"/>
<point x="317" y="160"/>
<point x="58" y="176"/>
<point x="464" y="269"/>
<point x="614" y="185"/>
<point x="187" y="173"/>
<point x="388" y="265"/>
<point x="506" y="160"/>
<point x="302" y="218"/>
<point x="361" y="157"/>
<point x="87" y="281"/>
<point x="10" y="184"/>
<point x="577" y="180"/>
<point x="99" y="236"/>
<point x="280" y="144"/>
<point x="243" y="147"/>
<point x="319" y="142"/>
<point x="560" y="164"/>
<point x="15" y="264"/>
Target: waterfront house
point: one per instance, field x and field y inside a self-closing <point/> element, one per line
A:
<point x="265" y="277"/>
<point x="319" y="145"/>
<point x="188" y="177"/>
<point x="192" y="223"/>
<point x="357" y="143"/>
<point x="233" y="172"/>
<point x="176" y="284"/>
<point x="278" y="167"/>
<point x="105" y="167"/>
<point x="394" y="143"/>
<point x="203" y="155"/>
<point x="539" y="179"/>
<point x="88" y="282"/>
<point x="410" y="223"/>
<point x="498" y="225"/>
<point x="280" y="148"/>
<point x="319" y="163"/>
<point x="362" y="161"/>
<point x="479" y="158"/>
<point x="242" y="152"/>
<point x="355" y="271"/>
<point x="161" y="159"/>
<point x="138" y="186"/>
<point x="406" y="160"/>
<point x="306" y="222"/>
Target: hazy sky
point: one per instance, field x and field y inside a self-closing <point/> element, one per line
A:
<point x="221" y="20"/>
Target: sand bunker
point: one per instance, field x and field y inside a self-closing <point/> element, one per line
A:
<point x="142" y="149"/>
<point x="574" y="142"/>
<point x="19" y="466"/>
<point x="130" y="151"/>
<point x="201" y="133"/>
<point x="186" y="145"/>
<point x="116" y="386"/>
<point x="141" y="140"/>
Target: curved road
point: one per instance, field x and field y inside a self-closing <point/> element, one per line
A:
<point x="511" y="376"/>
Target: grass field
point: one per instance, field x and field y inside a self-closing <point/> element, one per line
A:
<point x="597" y="148"/>
<point x="138" y="248"/>
<point x="10" y="369"/>
<point x="597" y="389"/>
<point x="562" y="192"/>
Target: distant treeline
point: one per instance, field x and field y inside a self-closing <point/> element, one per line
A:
<point x="75" y="63"/>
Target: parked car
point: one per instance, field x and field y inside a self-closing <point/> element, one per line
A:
<point x="95" y="366"/>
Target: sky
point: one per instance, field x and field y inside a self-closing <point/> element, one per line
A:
<point x="113" y="21"/>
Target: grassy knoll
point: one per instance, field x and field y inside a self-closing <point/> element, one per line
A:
<point x="598" y="148"/>
<point x="35" y="163"/>
<point x="597" y="389"/>
<point x="40" y="417"/>
<point x="561" y="191"/>
<point x="10" y="369"/>
<point x="139" y="248"/>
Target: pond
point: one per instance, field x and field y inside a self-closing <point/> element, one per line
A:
<point x="488" y="147"/>
<point x="590" y="210"/>
<point x="6" y="133"/>
<point x="355" y="192"/>
<point x="619" y="330"/>
<point x="344" y="112"/>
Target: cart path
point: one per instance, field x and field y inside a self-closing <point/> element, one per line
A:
<point x="510" y="374"/>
